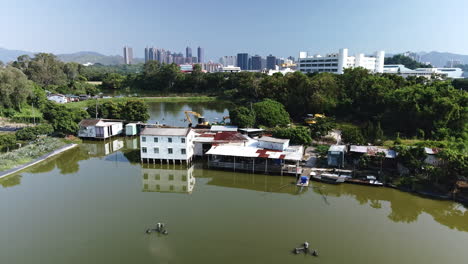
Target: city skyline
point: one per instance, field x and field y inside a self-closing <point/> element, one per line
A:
<point x="362" y="26"/>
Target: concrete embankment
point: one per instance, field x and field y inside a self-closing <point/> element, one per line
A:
<point x="36" y="161"/>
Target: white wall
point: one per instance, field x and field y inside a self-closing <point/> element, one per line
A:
<point x="272" y="145"/>
<point x="163" y="145"/>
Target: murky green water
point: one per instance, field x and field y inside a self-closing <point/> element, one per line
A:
<point x="92" y="205"/>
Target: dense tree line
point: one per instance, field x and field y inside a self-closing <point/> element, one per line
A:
<point x="132" y="110"/>
<point x="413" y="106"/>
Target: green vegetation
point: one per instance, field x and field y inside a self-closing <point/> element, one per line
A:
<point x="15" y="88"/>
<point x="322" y="127"/>
<point x="30" y="133"/>
<point x="132" y="110"/>
<point x="461" y="84"/>
<point x="64" y="120"/>
<point x="407" y="61"/>
<point x="242" y="116"/>
<point x="270" y="113"/>
<point x="7" y="141"/>
<point x="298" y="135"/>
<point x="29" y="152"/>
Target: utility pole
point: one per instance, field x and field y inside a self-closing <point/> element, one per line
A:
<point x="96" y="107"/>
<point x="34" y="116"/>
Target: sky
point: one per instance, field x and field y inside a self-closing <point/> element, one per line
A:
<point x="225" y="27"/>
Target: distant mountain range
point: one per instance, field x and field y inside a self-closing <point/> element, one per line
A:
<point x="11" y="55"/>
<point x="440" y="59"/>
<point x="81" y="57"/>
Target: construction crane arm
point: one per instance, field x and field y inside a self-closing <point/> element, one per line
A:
<point x="187" y="115"/>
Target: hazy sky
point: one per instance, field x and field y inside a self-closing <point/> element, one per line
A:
<point x="223" y="27"/>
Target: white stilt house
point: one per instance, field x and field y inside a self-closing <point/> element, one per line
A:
<point x="166" y="145"/>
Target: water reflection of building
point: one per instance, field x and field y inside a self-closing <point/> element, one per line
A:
<point x="132" y="143"/>
<point x="156" y="178"/>
<point x="103" y="148"/>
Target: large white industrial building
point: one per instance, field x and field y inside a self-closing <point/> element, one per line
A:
<point x="443" y="73"/>
<point x="337" y="62"/>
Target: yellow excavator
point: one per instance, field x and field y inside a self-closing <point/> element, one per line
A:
<point x="202" y="123"/>
<point x="312" y="119"/>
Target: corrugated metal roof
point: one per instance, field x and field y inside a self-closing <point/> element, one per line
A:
<point x="338" y="148"/>
<point x="373" y="150"/>
<point x="223" y="128"/>
<point x="89" y="122"/>
<point x="293" y="153"/>
<point x="273" y="140"/>
<point x="159" y="131"/>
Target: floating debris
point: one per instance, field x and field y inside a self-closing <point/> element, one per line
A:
<point x="305" y="249"/>
<point x="159" y="229"/>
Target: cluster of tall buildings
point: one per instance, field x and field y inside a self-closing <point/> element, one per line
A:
<point x="166" y="56"/>
<point x="254" y="63"/>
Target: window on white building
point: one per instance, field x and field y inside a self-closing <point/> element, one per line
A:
<point x="156" y="150"/>
<point x="182" y="140"/>
<point x="183" y="151"/>
<point x="169" y="140"/>
<point x="155" y="139"/>
<point x="143" y="149"/>
<point x="143" y="139"/>
<point x="169" y="151"/>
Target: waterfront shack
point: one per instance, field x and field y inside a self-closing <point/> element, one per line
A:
<point x="251" y="132"/>
<point x="389" y="161"/>
<point x="336" y="156"/>
<point x="256" y="159"/>
<point x="166" y="144"/>
<point x="131" y="129"/>
<point x="273" y="143"/>
<point x="100" y="128"/>
<point x="204" y="140"/>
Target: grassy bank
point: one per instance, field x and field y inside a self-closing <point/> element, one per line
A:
<point x="29" y="152"/>
<point x="171" y="99"/>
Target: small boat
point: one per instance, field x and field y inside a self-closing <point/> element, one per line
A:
<point x="303" y="181"/>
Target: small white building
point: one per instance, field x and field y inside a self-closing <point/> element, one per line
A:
<point x="99" y="128"/>
<point x="337" y="62"/>
<point x="166" y="144"/>
<point x="58" y="98"/>
<point x="282" y="71"/>
<point x="273" y="143"/>
<point x="230" y="68"/>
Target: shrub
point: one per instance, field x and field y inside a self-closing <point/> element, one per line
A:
<point x="297" y="135"/>
<point x="270" y="113"/>
<point x="30" y="133"/>
<point x="241" y="116"/>
<point x="351" y="134"/>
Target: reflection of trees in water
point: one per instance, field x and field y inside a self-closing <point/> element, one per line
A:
<point x="66" y="162"/>
<point x="10" y="181"/>
<point x="132" y="155"/>
<point x="405" y="207"/>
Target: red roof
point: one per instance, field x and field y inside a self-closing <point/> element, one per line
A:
<point x="229" y="136"/>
